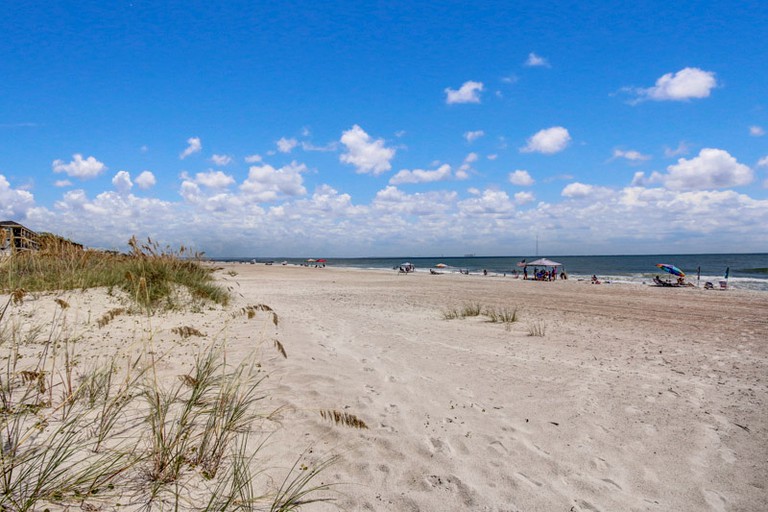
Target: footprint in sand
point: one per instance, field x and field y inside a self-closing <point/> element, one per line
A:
<point x="715" y="500"/>
<point x="498" y="447"/>
<point x="528" y="480"/>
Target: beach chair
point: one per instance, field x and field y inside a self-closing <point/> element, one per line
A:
<point x="723" y="285"/>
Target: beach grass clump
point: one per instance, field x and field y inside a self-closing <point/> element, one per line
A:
<point x="501" y="315"/>
<point x="468" y="309"/>
<point x="471" y="309"/>
<point x="537" y="328"/>
<point x="150" y="275"/>
<point x="114" y="431"/>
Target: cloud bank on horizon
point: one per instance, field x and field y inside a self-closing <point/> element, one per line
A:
<point x="358" y="146"/>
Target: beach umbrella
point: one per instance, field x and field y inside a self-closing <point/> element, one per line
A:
<point x="322" y="260"/>
<point x="441" y="265"/>
<point x="666" y="267"/>
<point x="310" y="260"/>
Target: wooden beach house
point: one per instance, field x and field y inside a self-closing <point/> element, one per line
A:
<point x="14" y="237"/>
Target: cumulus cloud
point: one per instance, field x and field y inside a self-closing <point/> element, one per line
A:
<point x="756" y="131"/>
<point x="577" y="190"/>
<point x="462" y="173"/>
<point x="194" y="146"/>
<point x="253" y="159"/>
<point x="712" y="168"/>
<point x="214" y="179"/>
<point x="469" y="92"/>
<point x="522" y="198"/>
<point x="62" y="183"/>
<point x="145" y="180"/>
<point x="536" y="61"/>
<point x="632" y="155"/>
<point x="366" y="154"/>
<point x="286" y="145"/>
<point x="681" y="86"/>
<point x="473" y="135"/>
<point x="521" y="178"/>
<point x="682" y="149"/>
<point x="79" y="167"/>
<point x="14" y="203"/>
<point x="266" y="184"/>
<point x="487" y="202"/>
<point x="392" y="200"/>
<point x="763" y="162"/>
<point x="442" y="173"/>
<point x="122" y="182"/>
<point x="548" y="141"/>
<point x="221" y="160"/>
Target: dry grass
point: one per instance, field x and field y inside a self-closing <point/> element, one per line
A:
<point x="343" y="418"/>
<point x="537" y="328"/>
<point x="151" y="276"/>
<point x="114" y="432"/>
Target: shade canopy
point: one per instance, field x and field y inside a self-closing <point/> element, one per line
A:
<point x="543" y="262"/>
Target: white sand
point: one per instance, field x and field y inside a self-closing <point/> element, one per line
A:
<point x="636" y="398"/>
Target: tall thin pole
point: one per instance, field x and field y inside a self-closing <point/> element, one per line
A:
<point x="537" y="245"/>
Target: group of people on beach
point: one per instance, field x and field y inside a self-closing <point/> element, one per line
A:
<point x="544" y="274"/>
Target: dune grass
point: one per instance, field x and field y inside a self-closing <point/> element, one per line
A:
<point x="503" y="315"/>
<point x="114" y="433"/>
<point x="150" y="275"/>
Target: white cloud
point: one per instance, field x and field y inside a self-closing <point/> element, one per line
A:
<point x="79" y="168"/>
<point x="331" y="146"/>
<point x="462" y="173"/>
<point x="391" y="200"/>
<point x="712" y="168"/>
<point x="682" y="149"/>
<point x="194" y="146"/>
<point x="14" y="203"/>
<point x="469" y="92"/>
<point x="221" y="160"/>
<point x="286" y="145"/>
<point x="521" y="178"/>
<point x="62" y="183"/>
<point x="366" y="154"/>
<point x="473" y="135"/>
<point x="443" y="173"/>
<point x="763" y="162"/>
<point x="492" y="157"/>
<point x="122" y="182"/>
<point x="685" y="84"/>
<point x="577" y="190"/>
<point x="214" y="179"/>
<point x="490" y="201"/>
<point x="548" y="141"/>
<point x="631" y="155"/>
<point x="756" y="131"/>
<point x="253" y="159"/>
<point x="522" y="198"/>
<point x="145" y="180"/>
<point x="536" y="61"/>
<point x="265" y="183"/>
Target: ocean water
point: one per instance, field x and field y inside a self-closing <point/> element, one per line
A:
<point x="747" y="271"/>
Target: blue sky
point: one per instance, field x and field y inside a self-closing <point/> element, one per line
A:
<point x="388" y="128"/>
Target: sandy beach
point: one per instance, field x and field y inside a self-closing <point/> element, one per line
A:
<point x="634" y="398"/>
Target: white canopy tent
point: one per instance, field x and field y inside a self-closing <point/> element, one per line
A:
<point x="543" y="262"/>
